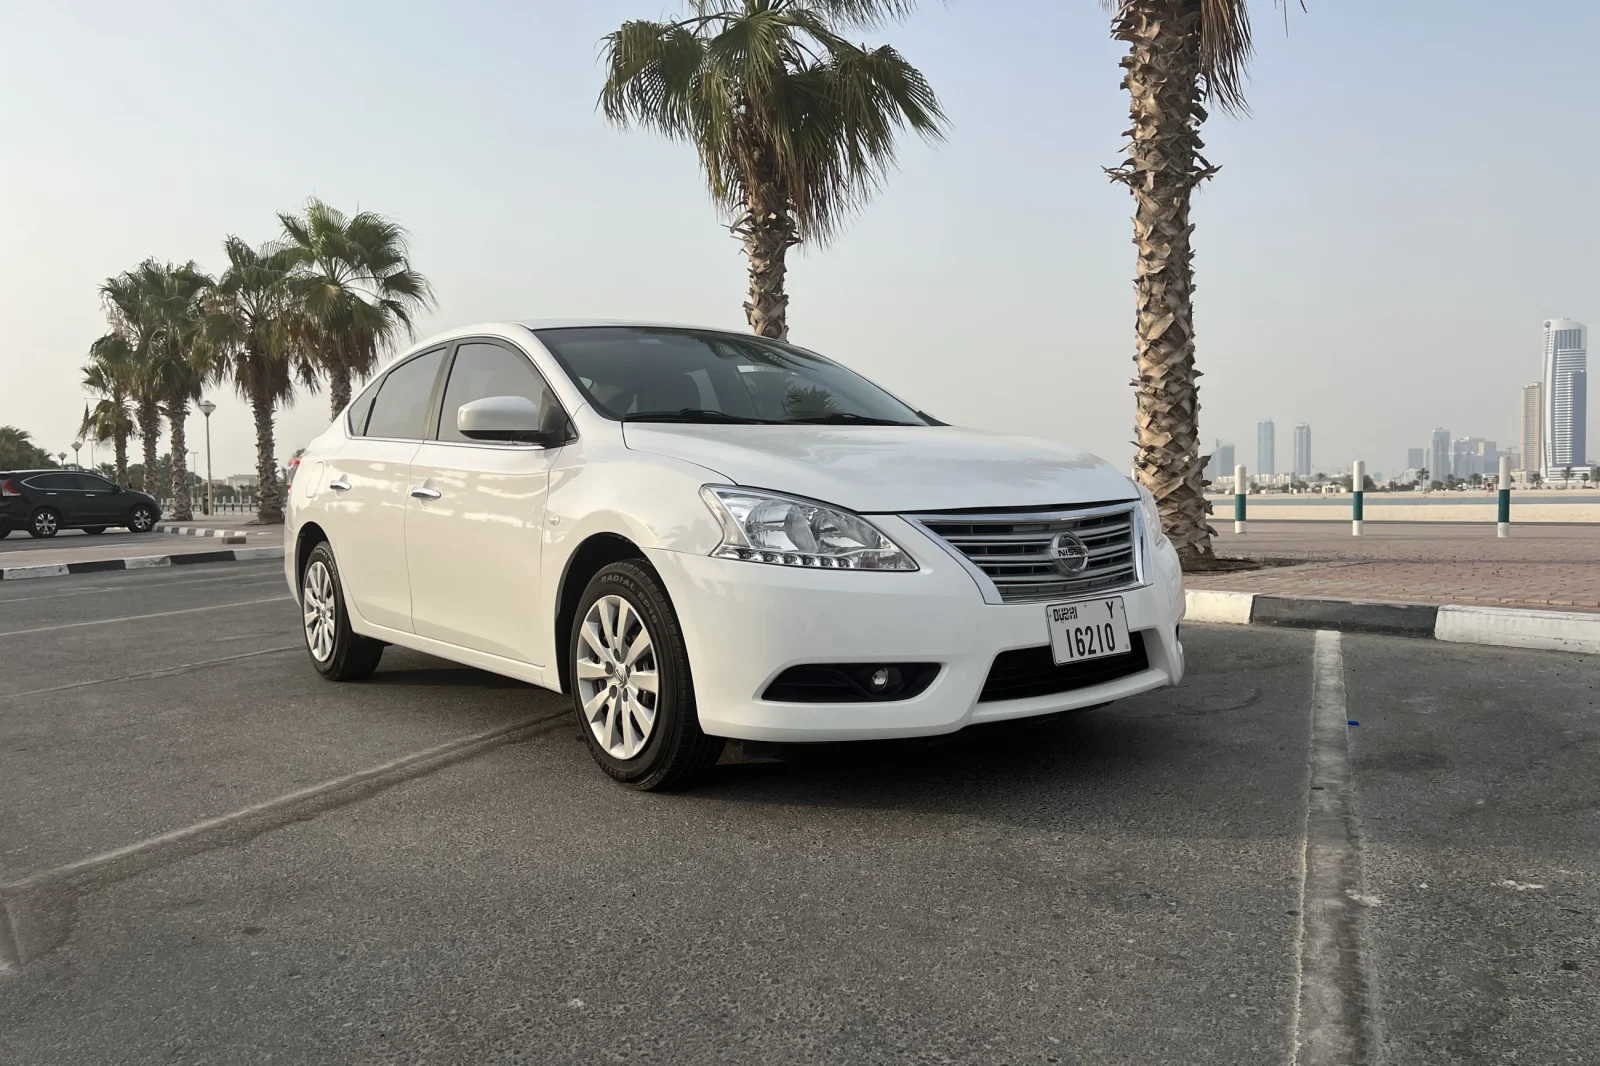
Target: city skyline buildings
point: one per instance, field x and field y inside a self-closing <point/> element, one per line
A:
<point x="1266" y="447"/>
<point x="1532" y="425"/>
<point x="1564" y="399"/>
<point x="1302" y="450"/>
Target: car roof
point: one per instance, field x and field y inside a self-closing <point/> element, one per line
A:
<point x="40" y="470"/>
<point x="515" y="327"/>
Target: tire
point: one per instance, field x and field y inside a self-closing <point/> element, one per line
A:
<point x="667" y="749"/>
<point x="336" y="650"/>
<point x="141" y="519"/>
<point x="45" y="522"/>
<point x="5" y="531"/>
<point x="94" y="531"/>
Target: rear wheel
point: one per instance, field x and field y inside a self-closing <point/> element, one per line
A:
<point x="142" y="519"/>
<point x="337" y="651"/>
<point x="44" y="523"/>
<point x="631" y="684"/>
<point x="94" y="531"/>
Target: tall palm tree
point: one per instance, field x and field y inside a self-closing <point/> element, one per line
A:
<point x="1182" y="56"/>
<point x="358" y="293"/>
<point x="130" y="311"/>
<point x="109" y="374"/>
<point x="179" y="358"/>
<point x="17" y="449"/>
<point x="794" y="125"/>
<point x="251" y="326"/>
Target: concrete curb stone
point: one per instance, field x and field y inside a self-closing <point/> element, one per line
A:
<point x="141" y="562"/>
<point x="1506" y="627"/>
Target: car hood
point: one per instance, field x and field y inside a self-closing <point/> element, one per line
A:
<point x="881" y="469"/>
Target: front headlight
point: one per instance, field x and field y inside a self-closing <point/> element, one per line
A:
<point x="763" y="527"/>
<point x="1151" y="513"/>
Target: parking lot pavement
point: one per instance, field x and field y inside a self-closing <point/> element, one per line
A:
<point x="1121" y="886"/>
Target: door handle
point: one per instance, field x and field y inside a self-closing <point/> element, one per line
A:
<point x="339" y="485"/>
<point x="420" y="493"/>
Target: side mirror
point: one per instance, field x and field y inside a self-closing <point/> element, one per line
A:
<point x="511" y="418"/>
<point x="115" y="488"/>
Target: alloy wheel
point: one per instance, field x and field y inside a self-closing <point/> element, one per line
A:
<point x="317" y="600"/>
<point x="142" y="520"/>
<point x="45" y="523"/>
<point x="616" y="676"/>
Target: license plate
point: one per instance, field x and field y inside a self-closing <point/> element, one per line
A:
<point x="1089" y="629"/>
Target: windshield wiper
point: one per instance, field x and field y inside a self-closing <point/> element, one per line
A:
<point x="849" y="418"/>
<point x="695" y="414"/>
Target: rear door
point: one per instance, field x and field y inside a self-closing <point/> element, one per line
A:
<point x="60" y="492"/>
<point x="475" y="524"/>
<point x="368" y="484"/>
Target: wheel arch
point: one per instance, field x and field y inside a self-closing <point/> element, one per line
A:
<point x="308" y="537"/>
<point x="597" y="551"/>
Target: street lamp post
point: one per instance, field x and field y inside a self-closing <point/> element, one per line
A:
<point x="206" y="407"/>
<point x="77" y="444"/>
<point x="62" y="458"/>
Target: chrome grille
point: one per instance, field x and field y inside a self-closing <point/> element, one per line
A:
<point x="1013" y="550"/>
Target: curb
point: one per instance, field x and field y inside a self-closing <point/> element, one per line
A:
<point x="1506" y="627"/>
<point x="229" y="536"/>
<point x="141" y="562"/>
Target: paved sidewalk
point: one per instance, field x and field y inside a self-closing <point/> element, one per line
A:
<point x="1539" y="566"/>
<point x="125" y="546"/>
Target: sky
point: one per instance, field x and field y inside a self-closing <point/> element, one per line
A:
<point x="1411" y="196"/>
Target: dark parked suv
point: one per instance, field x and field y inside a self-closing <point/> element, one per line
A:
<point x="45" y="501"/>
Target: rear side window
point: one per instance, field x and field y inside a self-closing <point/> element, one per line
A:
<point x="361" y="408"/>
<point x="401" y="407"/>
<point x="482" y="370"/>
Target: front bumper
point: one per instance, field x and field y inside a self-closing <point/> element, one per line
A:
<point x="745" y="623"/>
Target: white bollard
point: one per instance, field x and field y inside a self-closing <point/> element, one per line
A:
<point x="1358" y="478"/>
<point x="1241" y="489"/>
<point x="1502" y="528"/>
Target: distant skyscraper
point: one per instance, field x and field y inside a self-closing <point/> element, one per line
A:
<point x="1416" y="458"/>
<point x="1221" y="464"/>
<point x="1439" y="455"/>
<point x="1266" y="444"/>
<point x="1565" y="396"/>
<point x="1302" y="450"/>
<point x="1532" y="424"/>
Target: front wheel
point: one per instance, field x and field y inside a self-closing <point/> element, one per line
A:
<point x="337" y="651"/>
<point x="631" y="684"/>
<point x="44" y="523"/>
<point x="141" y="519"/>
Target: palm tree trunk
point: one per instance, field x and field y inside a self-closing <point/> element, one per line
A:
<point x="768" y="232"/>
<point x="120" y="437"/>
<point x="269" y="505"/>
<point x="177" y="419"/>
<point x="149" y="418"/>
<point x="338" y="387"/>
<point x="1162" y="169"/>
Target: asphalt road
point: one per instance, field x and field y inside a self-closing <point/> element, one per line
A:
<point x="1122" y="886"/>
<point x="18" y="540"/>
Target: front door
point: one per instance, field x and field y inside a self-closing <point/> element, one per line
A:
<point x="367" y="485"/>
<point x="99" y="502"/>
<point x="475" y="525"/>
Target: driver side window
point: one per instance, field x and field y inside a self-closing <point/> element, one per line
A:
<point x="482" y="369"/>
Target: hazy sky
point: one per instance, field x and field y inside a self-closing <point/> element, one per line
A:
<point x="1411" y="198"/>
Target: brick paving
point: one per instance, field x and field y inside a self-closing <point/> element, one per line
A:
<point x="1547" y="566"/>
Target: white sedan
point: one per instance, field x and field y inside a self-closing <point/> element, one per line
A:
<point x="701" y="535"/>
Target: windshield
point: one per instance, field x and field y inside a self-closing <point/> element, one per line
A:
<point x="654" y="374"/>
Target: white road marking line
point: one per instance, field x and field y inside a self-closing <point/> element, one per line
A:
<point x="145" y="675"/>
<point x="257" y="818"/>
<point x="1333" y="1020"/>
<point x="140" y="617"/>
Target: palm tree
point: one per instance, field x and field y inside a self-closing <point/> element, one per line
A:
<point x="18" y="451"/>
<point x="794" y="125"/>
<point x="109" y="374"/>
<point x="176" y="362"/>
<point x="130" y="312"/>
<point x="1182" y="56"/>
<point x="357" y="291"/>
<point x="251" y="326"/>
